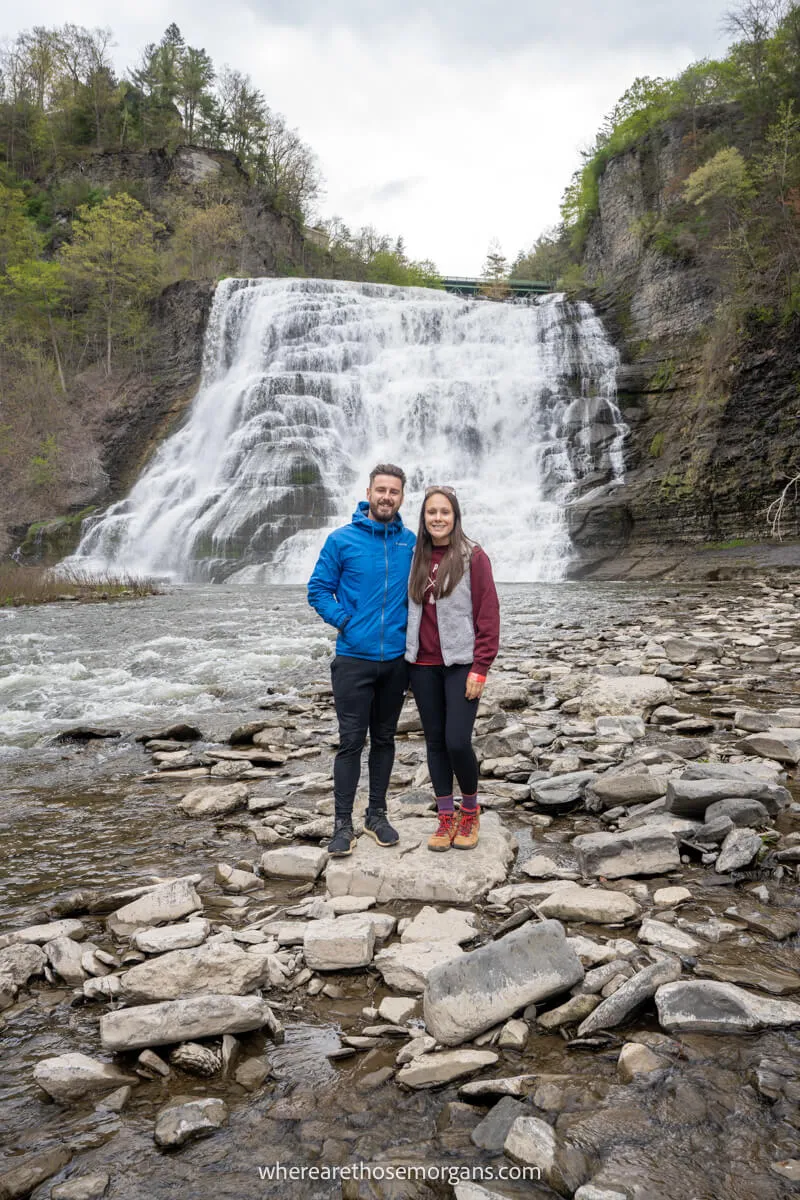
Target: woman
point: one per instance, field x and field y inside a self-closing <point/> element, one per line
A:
<point x="452" y="640"/>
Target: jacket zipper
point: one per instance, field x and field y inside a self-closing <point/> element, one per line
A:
<point x="385" y="587"/>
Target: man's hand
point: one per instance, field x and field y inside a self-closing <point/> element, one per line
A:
<point x="475" y="686"/>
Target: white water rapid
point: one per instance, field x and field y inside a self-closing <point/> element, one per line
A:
<point x="308" y="383"/>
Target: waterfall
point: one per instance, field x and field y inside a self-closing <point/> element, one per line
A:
<point x="308" y="383"/>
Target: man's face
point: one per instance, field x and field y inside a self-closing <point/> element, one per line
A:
<point x="385" y="496"/>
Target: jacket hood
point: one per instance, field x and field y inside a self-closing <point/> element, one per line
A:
<point x="361" y="517"/>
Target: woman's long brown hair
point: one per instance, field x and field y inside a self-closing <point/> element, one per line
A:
<point x="456" y="556"/>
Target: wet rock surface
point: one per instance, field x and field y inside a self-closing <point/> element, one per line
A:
<point x="606" y="991"/>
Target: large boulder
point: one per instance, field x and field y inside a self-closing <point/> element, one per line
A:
<point x="782" y="745"/>
<point x="407" y="966"/>
<point x="182" y="1021"/>
<point x="641" y="851"/>
<point x="411" y="872"/>
<point x="616" y="695"/>
<point x="703" y="1006"/>
<point x="690" y="797"/>
<point x="628" y="787"/>
<point x="470" y="994"/>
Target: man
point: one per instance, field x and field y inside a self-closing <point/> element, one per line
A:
<point x="360" y="586"/>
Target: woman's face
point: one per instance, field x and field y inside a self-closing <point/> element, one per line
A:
<point x="439" y="518"/>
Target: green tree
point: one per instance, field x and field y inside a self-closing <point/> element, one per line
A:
<point x="495" y="273"/>
<point x="112" y="265"/>
<point x="195" y="76"/>
<point x="33" y="291"/>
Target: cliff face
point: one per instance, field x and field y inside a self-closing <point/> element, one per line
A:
<point x="712" y="407"/>
<point x="107" y="428"/>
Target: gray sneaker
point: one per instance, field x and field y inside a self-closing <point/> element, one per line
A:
<point x="376" y="824"/>
<point x="343" y="840"/>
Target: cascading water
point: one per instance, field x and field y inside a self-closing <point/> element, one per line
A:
<point x="308" y="383"/>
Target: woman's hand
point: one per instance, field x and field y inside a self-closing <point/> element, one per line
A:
<point x="475" y="686"/>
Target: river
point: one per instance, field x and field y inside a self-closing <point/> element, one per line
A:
<point x="86" y="816"/>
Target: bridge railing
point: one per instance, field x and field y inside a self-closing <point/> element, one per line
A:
<point x="466" y="283"/>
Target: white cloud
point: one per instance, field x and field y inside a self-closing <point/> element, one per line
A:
<point x="430" y="125"/>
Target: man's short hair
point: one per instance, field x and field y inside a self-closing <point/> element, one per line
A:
<point x="388" y="469"/>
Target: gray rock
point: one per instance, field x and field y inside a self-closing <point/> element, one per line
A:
<point x="642" y="851"/>
<point x="407" y="967"/>
<point x="782" y="745"/>
<point x="82" y="1187"/>
<point x="182" y="1020"/>
<point x="20" y="962"/>
<point x="576" y="1009"/>
<point x="223" y="968"/>
<point x="630" y="996"/>
<point x="452" y="925"/>
<point x="411" y="872"/>
<point x="468" y="995"/>
<point x="492" y="1131"/>
<point x="172" y="937"/>
<point x="72" y="1077"/>
<point x="595" y="905"/>
<point x="609" y="695"/>
<point x="294" y="862"/>
<point x="740" y="810"/>
<point x="627" y="788"/>
<point x="444" y="1066"/>
<point x="186" y="1122"/>
<point x="699" y="787"/>
<point x="562" y="792"/>
<point x="701" y="1006"/>
<point x="532" y="1142"/>
<point x="676" y="941"/>
<point x="738" y="850"/>
<point x="32" y="1170"/>
<point x="635" y="1059"/>
<point x="339" y="943"/>
<point x="215" y="800"/>
<point x="39" y="934"/>
<point x="65" y="957"/>
<point x="164" y="903"/>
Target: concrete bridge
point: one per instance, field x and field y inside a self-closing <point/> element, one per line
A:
<point x="464" y="286"/>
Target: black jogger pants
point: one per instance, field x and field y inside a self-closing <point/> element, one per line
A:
<point x="368" y="697"/>
<point x="447" y="720"/>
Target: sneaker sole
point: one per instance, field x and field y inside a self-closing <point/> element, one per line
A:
<point x="461" y="846"/>
<point x="375" y="838"/>
<point x="343" y="853"/>
<point x="439" y="849"/>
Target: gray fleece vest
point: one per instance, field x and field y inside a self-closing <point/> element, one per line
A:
<point x="454" y="618"/>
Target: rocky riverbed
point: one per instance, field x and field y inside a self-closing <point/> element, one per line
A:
<point x="600" y="1001"/>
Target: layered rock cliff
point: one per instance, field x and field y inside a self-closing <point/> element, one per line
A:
<point x="713" y="402"/>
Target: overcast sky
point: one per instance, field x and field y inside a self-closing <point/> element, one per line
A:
<point x="451" y="122"/>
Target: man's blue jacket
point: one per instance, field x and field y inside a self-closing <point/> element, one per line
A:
<point x="360" y="585"/>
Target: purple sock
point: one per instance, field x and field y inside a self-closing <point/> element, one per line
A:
<point x="469" y="803"/>
<point x="445" y="804"/>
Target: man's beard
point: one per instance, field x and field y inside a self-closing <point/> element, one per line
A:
<point x="384" y="516"/>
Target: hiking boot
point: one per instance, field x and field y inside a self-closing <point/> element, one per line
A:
<point x="343" y="840"/>
<point x="442" y="839"/>
<point x="376" y="824"/>
<point x="466" y="837"/>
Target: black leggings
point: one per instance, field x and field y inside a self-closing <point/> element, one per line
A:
<point x="368" y="697"/>
<point x="447" y="720"/>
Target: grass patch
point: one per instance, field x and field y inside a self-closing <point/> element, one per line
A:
<point x="21" y="585"/>
<point x="731" y="544"/>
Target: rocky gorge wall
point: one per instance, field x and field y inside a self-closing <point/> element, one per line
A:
<point x="713" y="408"/>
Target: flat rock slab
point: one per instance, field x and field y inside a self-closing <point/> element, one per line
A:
<point x="642" y="851"/>
<point x="701" y="1006"/>
<point x="165" y="903"/>
<point x="69" y="1078"/>
<point x="444" y="1066"/>
<point x="39" y="934"/>
<point x="223" y="968"/>
<point x="215" y="801"/>
<point x="182" y="1021"/>
<point x="766" y="979"/>
<point x="410" y="871"/>
<point x="617" y="695"/>
<point x="452" y="925"/>
<point x="471" y="994"/>
<point x="172" y="937"/>
<point x="595" y="905"/>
